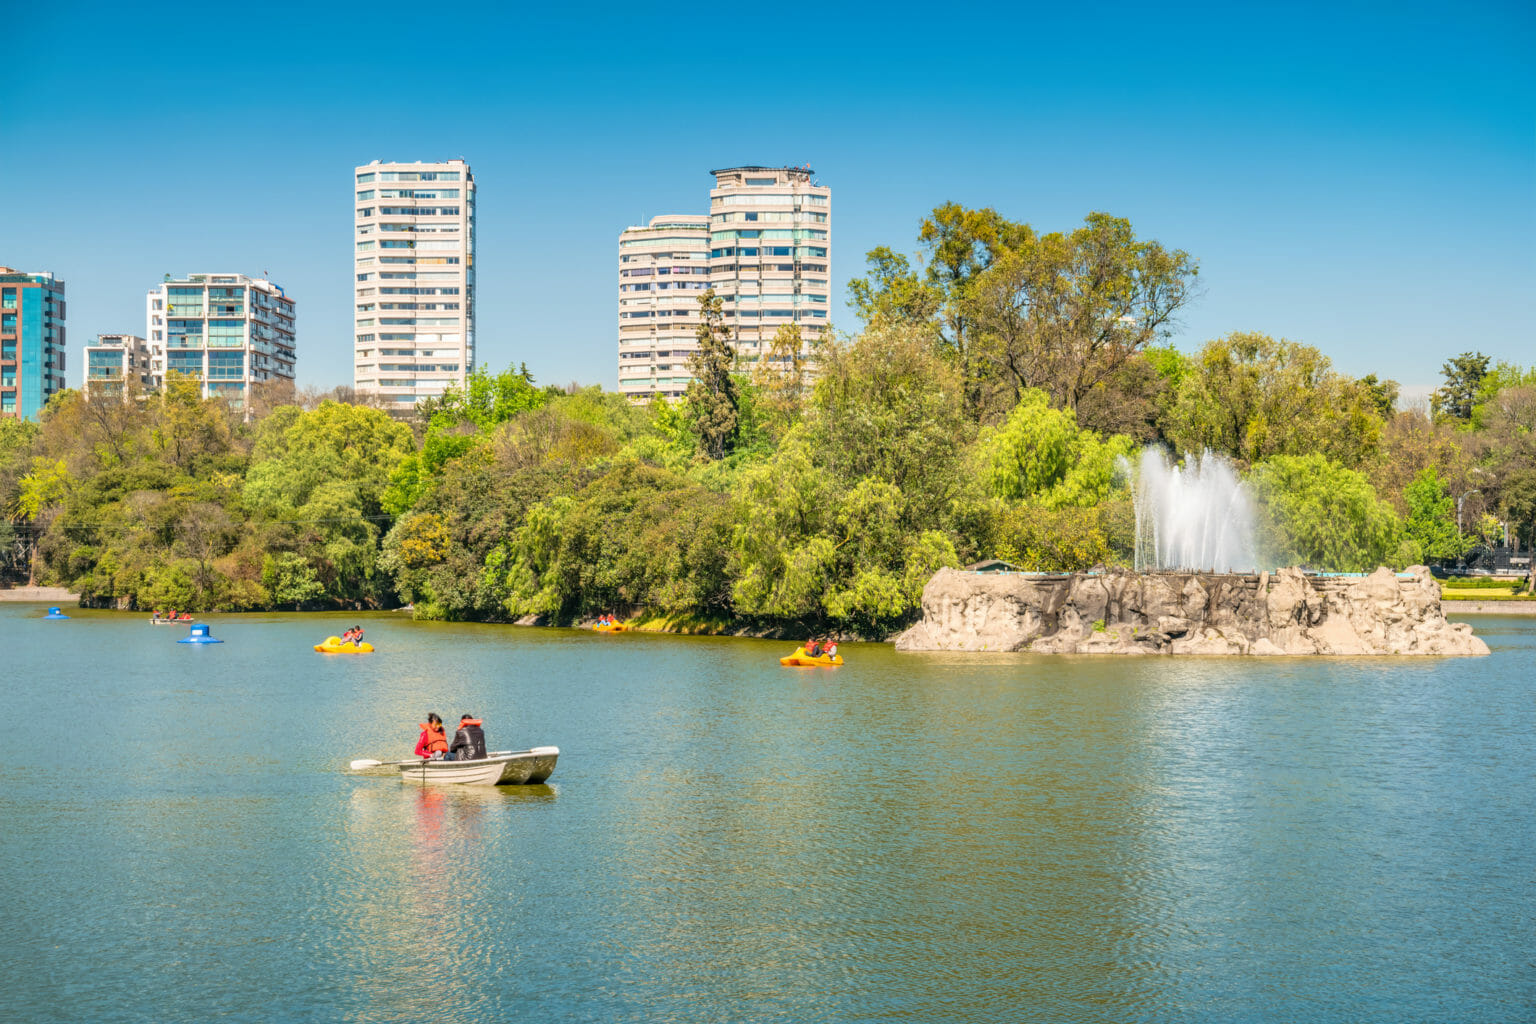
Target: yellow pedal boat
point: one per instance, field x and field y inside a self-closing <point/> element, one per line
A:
<point x="803" y="660"/>
<point x="333" y="645"/>
<point x="612" y="627"/>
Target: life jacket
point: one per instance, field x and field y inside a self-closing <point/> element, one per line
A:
<point x="432" y="741"/>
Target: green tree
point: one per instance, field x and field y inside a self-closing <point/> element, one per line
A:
<point x="1067" y="312"/>
<point x="318" y="478"/>
<point x="1463" y="380"/>
<point x="1503" y="377"/>
<point x="784" y="555"/>
<point x="1411" y="443"/>
<point x="712" y="393"/>
<point x="1382" y="395"/>
<point x="1431" y="523"/>
<point x="892" y="290"/>
<point x="1251" y="397"/>
<point x="486" y="400"/>
<point x="960" y="245"/>
<point x="1040" y="453"/>
<point x="290" y="579"/>
<point x="780" y="379"/>
<point x="1318" y="513"/>
<point x="1517" y="498"/>
<point x="190" y="432"/>
<point x="889" y="405"/>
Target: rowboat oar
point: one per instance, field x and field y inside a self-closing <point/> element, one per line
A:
<point x="368" y="762"/>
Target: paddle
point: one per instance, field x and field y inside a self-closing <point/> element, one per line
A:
<point x="368" y="762"/>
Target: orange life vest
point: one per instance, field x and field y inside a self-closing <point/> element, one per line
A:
<point x="432" y="741"/>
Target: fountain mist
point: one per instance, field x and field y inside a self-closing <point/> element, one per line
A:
<point x="1196" y="517"/>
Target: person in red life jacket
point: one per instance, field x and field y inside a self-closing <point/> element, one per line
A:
<point x="812" y="647"/>
<point x="434" y="741"/>
<point x="468" y="742"/>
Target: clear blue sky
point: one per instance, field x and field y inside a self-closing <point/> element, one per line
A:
<point x="1357" y="177"/>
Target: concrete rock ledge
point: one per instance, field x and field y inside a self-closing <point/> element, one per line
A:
<point x="56" y="594"/>
<point x="1282" y="613"/>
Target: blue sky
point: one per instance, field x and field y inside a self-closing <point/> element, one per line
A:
<point x="1358" y="177"/>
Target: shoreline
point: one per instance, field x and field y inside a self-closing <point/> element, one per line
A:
<point x="40" y="595"/>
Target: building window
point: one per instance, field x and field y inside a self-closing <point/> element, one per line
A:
<point x="185" y="301"/>
<point x="189" y="363"/>
<point x="226" y="365"/>
<point x="186" y="334"/>
<point x="226" y="333"/>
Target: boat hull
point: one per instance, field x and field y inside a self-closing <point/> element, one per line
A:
<point x="617" y="627"/>
<point x="802" y="660"/>
<point x="501" y="768"/>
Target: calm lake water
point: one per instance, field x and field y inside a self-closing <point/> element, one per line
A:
<point x="907" y="838"/>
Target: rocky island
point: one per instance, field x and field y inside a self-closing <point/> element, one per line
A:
<point x="1287" y="612"/>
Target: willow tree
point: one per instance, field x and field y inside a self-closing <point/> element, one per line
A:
<point x="781" y="378"/>
<point x="713" y="401"/>
<point x="1251" y="396"/>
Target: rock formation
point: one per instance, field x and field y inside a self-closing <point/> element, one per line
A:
<point x="1121" y="612"/>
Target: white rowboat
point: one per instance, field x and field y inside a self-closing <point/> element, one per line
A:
<point x="500" y="768"/>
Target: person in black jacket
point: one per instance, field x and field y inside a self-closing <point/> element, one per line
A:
<point x="468" y="743"/>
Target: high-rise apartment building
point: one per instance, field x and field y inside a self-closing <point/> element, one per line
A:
<point x="769" y="253"/>
<point x="228" y="331"/>
<point x="31" y="341"/>
<point x="414" y="259"/>
<point x="116" y="364"/>
<point x="767" y="242"/>
<point x="663" y="269"/>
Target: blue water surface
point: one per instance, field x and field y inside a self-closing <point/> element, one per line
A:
<point x="906" y="838"/>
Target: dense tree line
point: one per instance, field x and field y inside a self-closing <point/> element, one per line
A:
<point x="985" y="408"/>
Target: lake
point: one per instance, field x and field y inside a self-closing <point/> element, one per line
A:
<point x="906" y="838"/>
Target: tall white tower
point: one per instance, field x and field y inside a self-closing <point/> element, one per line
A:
<point x="663" y="269"/>
<point x="414" y="263"/>
<point x="770" y="253"/>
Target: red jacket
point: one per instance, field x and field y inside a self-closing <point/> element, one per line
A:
<point x="432" y="741"/>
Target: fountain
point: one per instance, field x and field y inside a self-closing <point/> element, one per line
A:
<point x="1195" y="590"/>
<point x="1196" y="517"/>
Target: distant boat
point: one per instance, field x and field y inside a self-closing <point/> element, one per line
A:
<point x="804" y="660"/>
<point x="163" y="621"/>
<point x="500" y="768"/>
<point x="334" y="645"/>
